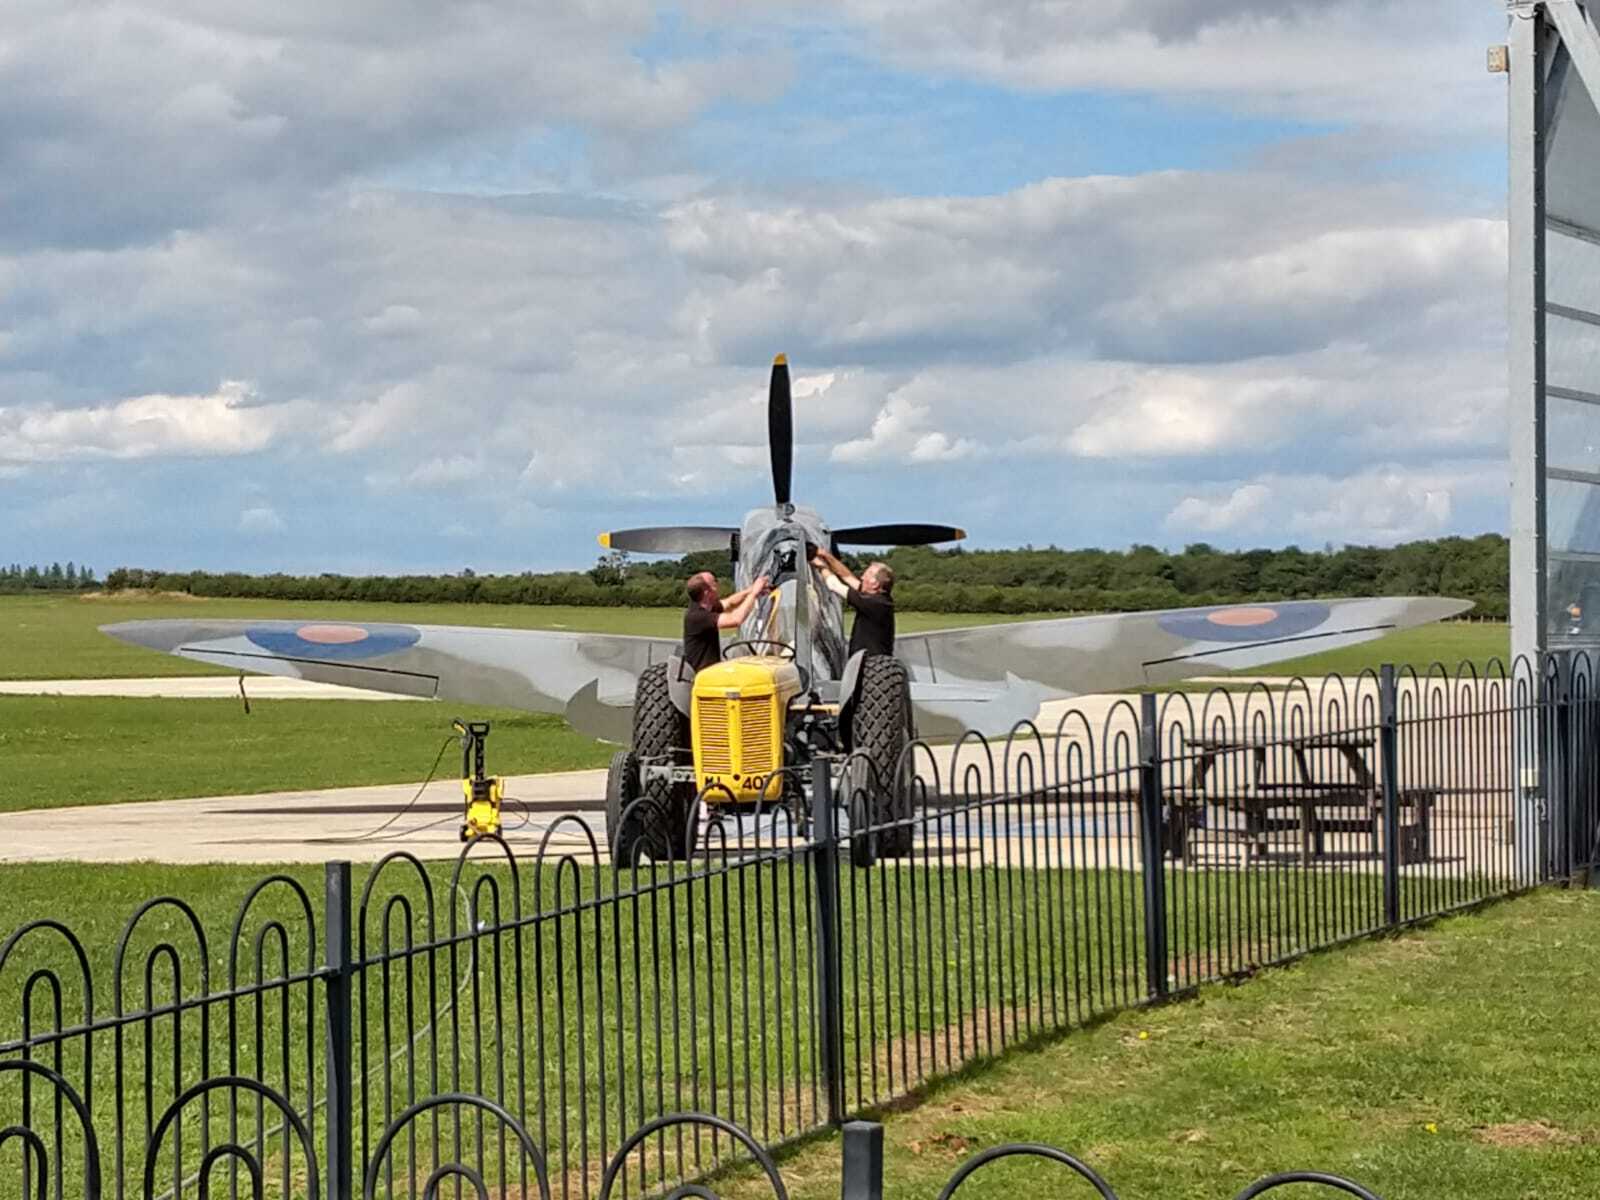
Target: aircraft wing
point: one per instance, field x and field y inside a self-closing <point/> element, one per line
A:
<point x="991" y="676"/>
<point x="587" y="677"/>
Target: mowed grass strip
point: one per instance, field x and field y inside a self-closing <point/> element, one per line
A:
<point x="1450" y="644"/>
<point x="1454" y="1061"/>
<point x="57" y="751"/>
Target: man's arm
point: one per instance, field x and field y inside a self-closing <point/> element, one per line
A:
<point x="754" y="591"/>
<point x="825" y="560"/>
<point x="732" y="618"/>
<point x="737" y="606"/>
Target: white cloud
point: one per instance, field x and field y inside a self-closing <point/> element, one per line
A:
<point x="1169" y="414"/>
<point x="899" y="433"/>
<point x="1385" y="504"/>
<point x="1414" y="65"/>
<point x="261" y="519"/>
<point x="585" y="352"/>
<point x="1172" y="266"/>
<point x="396" y="319"/>
<point x="201" y="112"/>
<point x="1223" y="513"/>
<point x="431" y="474"/>
<point x="442" y="472"/>
<point x="222" y="424"/>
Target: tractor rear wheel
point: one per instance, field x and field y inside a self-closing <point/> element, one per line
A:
<point x="660" y="731"/>
<point x="880" y="730"/>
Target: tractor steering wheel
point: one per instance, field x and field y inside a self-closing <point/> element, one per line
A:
<point x="785" y="649"/>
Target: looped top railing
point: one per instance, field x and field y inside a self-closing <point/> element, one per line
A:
<point x="379" y="1165"/>
<point x="758" y="1154"/>
<point x="1095" y="1180"/>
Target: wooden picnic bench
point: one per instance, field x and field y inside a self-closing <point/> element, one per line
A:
<point x="1316" y="807"/>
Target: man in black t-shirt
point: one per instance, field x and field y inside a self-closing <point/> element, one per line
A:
<point x="872" y="597"/>
<point x="709" y="614"/>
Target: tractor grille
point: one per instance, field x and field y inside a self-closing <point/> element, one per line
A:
<point x="755" y="735"/>
<point x="711" y="729"/>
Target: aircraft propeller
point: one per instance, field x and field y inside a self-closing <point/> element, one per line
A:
<point x="669" y="539"/>
<point x="897" y="535"/>
<point x="780" y="429"/>
<point x="685" y="539"/>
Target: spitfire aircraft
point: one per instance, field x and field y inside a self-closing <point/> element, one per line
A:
<point x="985" y="678"/>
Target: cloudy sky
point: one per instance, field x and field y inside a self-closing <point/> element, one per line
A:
<point x="396" y="284"/>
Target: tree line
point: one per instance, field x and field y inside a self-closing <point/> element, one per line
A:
<point x="14" y="577"/>
<point x="1026" y="580"/>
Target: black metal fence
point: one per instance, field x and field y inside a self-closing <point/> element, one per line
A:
<point x="505" y="1024"/>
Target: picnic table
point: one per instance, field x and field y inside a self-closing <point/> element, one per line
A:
<point x="1316" y="807"/>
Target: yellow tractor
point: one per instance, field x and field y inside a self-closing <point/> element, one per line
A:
<point x="739" y="708"/>
<point x="745" y="735"/>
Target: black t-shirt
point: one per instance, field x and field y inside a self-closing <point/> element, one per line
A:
<point x="874" y="627"/>
<point x="702" y="641"/>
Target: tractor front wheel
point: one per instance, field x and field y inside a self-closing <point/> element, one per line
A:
<point x="622" y="789"/>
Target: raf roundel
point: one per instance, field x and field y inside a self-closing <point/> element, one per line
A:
<point x="1246" y="623"/>
<point x="332" y="642"/>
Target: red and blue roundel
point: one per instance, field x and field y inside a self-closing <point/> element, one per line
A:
<point x="328" y="642"/>
<point x="1246" y="623"/>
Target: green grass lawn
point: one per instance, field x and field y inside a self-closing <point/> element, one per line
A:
<point x="58" y="751"/>
<point x="1453" y="1062"/>
<point x="1450" y="643"/>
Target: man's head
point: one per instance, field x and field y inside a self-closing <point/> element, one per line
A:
<point x="702" y="589"/>
<point x="877" y="579"/>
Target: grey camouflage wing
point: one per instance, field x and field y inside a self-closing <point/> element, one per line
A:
<point x="588" y="677"/>
<point x="987" y="677"/>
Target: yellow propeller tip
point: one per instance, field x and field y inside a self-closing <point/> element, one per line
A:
<point x="781" y="361"/>
<point x="605" y="540"/>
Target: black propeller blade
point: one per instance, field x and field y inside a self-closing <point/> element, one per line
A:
<point x="780" y="429"/>
<point x="670" y="539"/>
<point x="898" y="535"/>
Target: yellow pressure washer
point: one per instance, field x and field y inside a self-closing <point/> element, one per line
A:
<point x="482" y="792"/>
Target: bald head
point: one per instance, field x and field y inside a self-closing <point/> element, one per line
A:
<point x="702" y="589"/>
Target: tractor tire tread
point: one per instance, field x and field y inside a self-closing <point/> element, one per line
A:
<point x="659" y="729"/>
<point x="880" y="730"/>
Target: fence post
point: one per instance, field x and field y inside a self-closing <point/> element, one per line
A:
<point x="1560" y="818"/>
<point x="861" y="1169"/>
<point x="830" y="1001"/>
<point x="1152" y="852"/>
<point x="1389" y="764"/>
<point x="336" y="1033"/>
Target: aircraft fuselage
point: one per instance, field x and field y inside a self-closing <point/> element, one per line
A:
<point x="799" y="610"/>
